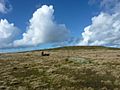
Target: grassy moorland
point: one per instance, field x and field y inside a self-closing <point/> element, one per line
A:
<point x="68" y="68"/>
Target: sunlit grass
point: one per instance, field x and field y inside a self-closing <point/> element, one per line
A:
<point x="92" y="69"/>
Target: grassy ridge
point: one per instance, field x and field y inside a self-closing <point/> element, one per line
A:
<point x="83" y="47"/>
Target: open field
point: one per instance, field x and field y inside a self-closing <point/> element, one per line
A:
<point x="69" y="68"/>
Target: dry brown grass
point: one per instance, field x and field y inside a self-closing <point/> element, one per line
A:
<point x="64" y="69"/>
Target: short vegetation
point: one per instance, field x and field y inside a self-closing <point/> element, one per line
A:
<point x="69" y="68"/>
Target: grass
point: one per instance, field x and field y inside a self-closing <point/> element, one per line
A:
<point x="69" y="68"/>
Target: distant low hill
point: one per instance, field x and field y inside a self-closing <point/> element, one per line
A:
<point x="82" y="47"/>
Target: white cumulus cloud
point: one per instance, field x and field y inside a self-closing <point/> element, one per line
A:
<point x="5" y="6"/>
<point x="8" y="33"/>
<point x="105" y="28"/>
<point x="43" y="29"/>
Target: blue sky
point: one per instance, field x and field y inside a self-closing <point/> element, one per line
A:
<point x="76" y="15"/>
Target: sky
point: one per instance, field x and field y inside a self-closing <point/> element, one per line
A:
<point x="38" y="24"/>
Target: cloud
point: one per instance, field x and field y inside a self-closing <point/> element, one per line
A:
<point x="5" y="6"/>
<point x="8" y="33"/>
<point x="105" y="28"/>
<point x="92" y="2"/>
<point x="110" y="6"/>
<point x="43" y="29"/>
